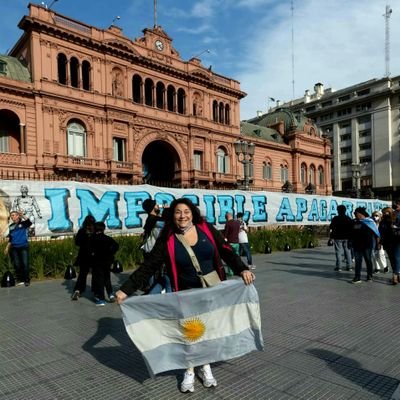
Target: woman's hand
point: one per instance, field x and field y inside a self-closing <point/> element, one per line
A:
<point x="120" y="296"/>
<point x="248" y="277"/>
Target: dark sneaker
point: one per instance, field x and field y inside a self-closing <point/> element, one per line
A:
<point x="386" y="270"/>
<point x="349" y="269"/>
<point x="369" y="279"/>
<point x="100" y="303"/>
<point x="111" y="298"/>
<point x="75" y="295"/>
<point x="27" y="283"/>
<point x="356" y="280"/>
<point x="337" y="269"/>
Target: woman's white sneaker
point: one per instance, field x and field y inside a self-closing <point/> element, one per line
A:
<point x="207" y="377"/>
<point x="187" y="384"/>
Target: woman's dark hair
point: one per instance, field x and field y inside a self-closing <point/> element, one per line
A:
<point x="169" y="218"/>
<point x="88" y="221"/>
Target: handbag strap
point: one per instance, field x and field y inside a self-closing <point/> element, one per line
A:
<point x="188" y="248"/>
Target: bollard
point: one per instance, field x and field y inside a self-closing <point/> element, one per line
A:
<point x="117" y="267"/>
<point x="7" y="280"/>
<point x="287" y="247"/>
<point x="267" y="249"/>
<point x="330" y="242"/>
<point x="310" y="245"/>
<point x="70" y="273"/>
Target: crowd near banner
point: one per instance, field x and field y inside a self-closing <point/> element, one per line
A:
<point x="59" y="208"/>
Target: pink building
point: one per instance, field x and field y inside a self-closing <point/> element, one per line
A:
<point x="82" y="103"/>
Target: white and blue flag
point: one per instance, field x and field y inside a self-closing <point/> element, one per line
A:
<point x="194" y="327"/>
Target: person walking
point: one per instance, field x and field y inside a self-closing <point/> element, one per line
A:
<point x="104" y="249"/>
<point x="244" y="241"/>
<point x="18" y="246"/>
<point x="185" y="240"/>
<point x="85" y="260"/>
<point x="340" y="231"/>
<point x="390" y="240"/>
<point x="364" y="239"/>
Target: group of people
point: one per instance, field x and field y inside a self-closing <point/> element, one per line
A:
<point x="96" y="254"/>
<point x="369" y="239"/>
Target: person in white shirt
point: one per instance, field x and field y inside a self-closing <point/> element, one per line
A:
<point x="244" y="241"/>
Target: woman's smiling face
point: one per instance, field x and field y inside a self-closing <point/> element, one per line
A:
<point x="182" y="216"/>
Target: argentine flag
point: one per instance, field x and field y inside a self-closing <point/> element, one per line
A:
<point x="194" y="327"/>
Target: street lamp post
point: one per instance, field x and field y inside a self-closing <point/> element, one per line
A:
<point x="245" y="152"/>
<point x="356" y="172"/>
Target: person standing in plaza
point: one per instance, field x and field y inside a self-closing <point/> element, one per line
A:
<point x="187" y="237"/>
<point x="390" y="240"/>
<point x="231" y="232"/>
<point x="340" y="231"/>
<point x="364" y="239"/>
<point x="18" y="245"/>
<point x="244" y="241"/>
<point x="84" y="240"/>
<point x="379" y="262"/>
<point x="104" y="248"/>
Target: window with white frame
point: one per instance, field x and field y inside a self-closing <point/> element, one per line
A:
<point x="4" y="142"/>
<point x="222" y="161"/>
<point x="76" y="135"/>
<point x="198" y="160"/>
<point x="284" y="173"/>
<point x="267" y="171"/>
<point x="320" y="176"/>
<point x="119" y="146"/>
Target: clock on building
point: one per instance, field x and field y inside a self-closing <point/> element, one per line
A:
<point x="159" y="45"/>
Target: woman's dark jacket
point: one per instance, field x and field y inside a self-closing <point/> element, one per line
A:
<point x="163" y="252"/>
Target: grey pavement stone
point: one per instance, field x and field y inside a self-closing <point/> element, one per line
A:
<point x="324" y="339"/>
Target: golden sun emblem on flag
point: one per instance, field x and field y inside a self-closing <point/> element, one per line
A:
<point x="193" y="329"/>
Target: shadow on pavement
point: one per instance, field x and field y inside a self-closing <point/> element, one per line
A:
<point x="353" y="371"/>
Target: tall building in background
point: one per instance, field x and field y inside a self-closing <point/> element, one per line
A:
<point x="82" y="103"/>
<point x="363" y="123"/>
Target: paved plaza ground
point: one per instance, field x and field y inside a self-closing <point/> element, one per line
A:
<point x="325" y="338"/>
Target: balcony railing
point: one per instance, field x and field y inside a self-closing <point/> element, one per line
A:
<point x="10" y="159"/>
<point x="120" y="166"/>
<point x="81" y="163"/>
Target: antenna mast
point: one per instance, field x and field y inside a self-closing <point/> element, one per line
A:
<point x="292" y="10"/>
<point x="155" y="13"/>
<point x="387" y="39"/>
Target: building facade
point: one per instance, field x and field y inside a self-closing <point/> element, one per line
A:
<point x="82" y="103"/>
<point x="363" y="123"/>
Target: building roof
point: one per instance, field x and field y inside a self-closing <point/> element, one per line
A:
<point x="261" y="132"/>
<point x="285" y="115"/>
<point x="12" y="68"/>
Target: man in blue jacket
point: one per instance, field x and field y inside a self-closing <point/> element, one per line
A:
<point x="18" y="245"/>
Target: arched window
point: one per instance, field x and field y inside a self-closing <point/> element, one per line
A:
<point x="221" y="113"/>
<point x="148" y="92"/>
<point x="227" y="114"/>
<point x="215" y="111"/>
<point x="76" y="139"/>
<point x="160" y="91"/>
<point x="222" y="161"/>
<point x="312" y="175"/>
<point x="320" y="176"/>
<point x="284" y="173"/>
<point x="62" y="68"/>
<point x="171" y="98"/>
<point x="303" y="174"/>
<point x="181" y="101"/>
<point x="137" y="89"/>
<point x="267" y="170"/>
<point x="74" y="72"/>
<point x="86" y="75"/>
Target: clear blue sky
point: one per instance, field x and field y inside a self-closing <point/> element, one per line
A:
<point x="336" y="42"/>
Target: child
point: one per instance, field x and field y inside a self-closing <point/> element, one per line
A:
<point x="105" y="248"/>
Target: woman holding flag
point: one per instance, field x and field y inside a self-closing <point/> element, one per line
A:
<point x="186" y="240"/>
